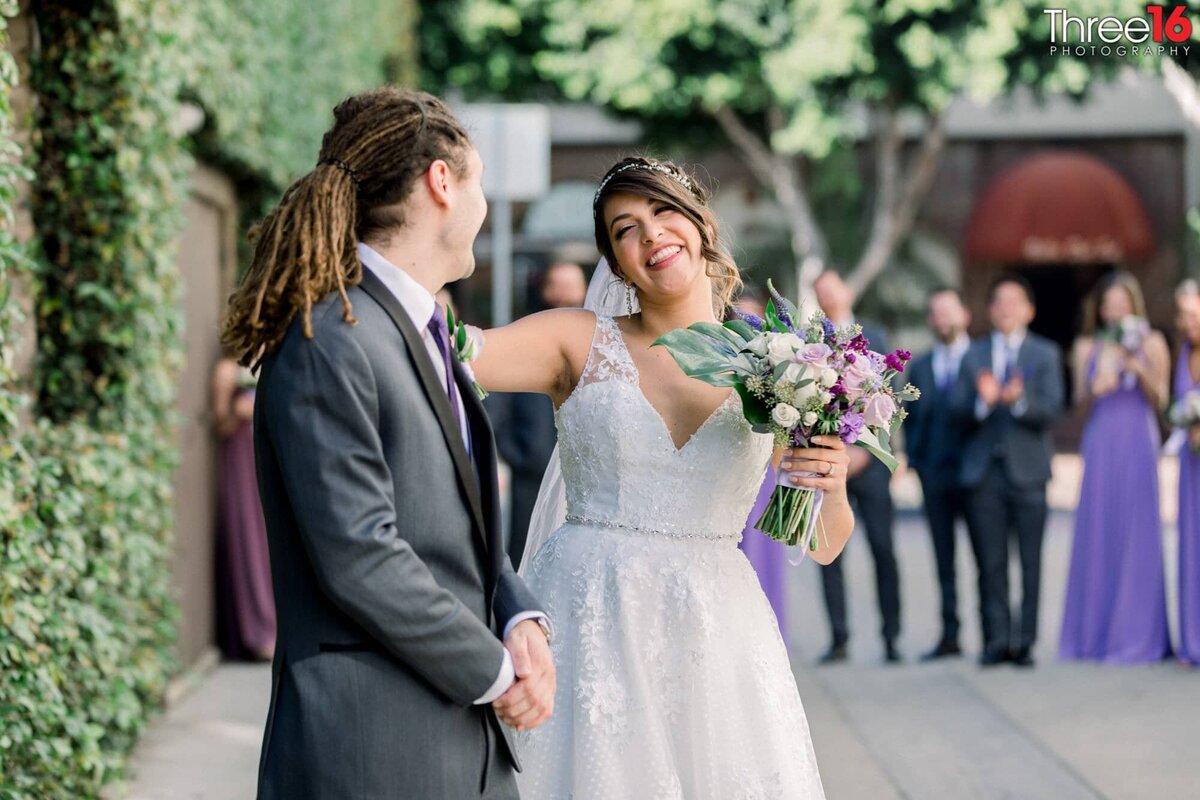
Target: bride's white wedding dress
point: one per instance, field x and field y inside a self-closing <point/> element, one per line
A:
<point x="673" y="681"/>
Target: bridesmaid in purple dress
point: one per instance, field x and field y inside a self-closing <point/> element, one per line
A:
<point x="1116" y="608"/>
<point x="245" y="605"/>
<point x="768" y="557"/>
<point x="1187" y="379"/>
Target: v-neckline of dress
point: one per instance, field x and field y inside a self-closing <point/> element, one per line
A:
<point x="678" y="448"/>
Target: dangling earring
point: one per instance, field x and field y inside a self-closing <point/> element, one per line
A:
<point x="629" y="298"/>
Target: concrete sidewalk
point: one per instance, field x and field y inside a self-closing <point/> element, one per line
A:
<point x="949" y="730"/>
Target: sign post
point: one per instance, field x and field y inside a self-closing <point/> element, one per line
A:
<point x="513" y="140"/>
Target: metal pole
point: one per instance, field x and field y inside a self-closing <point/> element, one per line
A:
<point x="502" y="271"/>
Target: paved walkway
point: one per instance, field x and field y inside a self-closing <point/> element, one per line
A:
<point x="914" y="731"/>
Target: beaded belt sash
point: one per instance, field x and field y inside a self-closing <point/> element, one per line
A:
<point x="578" y="520"/>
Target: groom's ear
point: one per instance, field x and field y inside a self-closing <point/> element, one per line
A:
<point x="437" y="182"/>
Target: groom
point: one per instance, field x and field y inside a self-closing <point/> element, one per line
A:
<point x="404" y="635"/>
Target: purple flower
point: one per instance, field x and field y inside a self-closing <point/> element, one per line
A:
<point x="753" y="320"/>
<point x="858" y="343"/>
<point x="812" y="353"/>
<point x="828" y="329"/>
<point x="898" y="359"/>
<point x="851" y="428"/>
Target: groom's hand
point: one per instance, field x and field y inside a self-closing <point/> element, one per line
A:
<point x="530" y="701"/>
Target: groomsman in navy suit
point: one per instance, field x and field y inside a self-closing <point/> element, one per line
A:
<point x="933" y="439"/>
<point x="1009" y="394"/>
<point x="869" y="487"/>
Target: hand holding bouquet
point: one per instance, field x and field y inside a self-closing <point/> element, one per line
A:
<point x="1184" y="415"/>
<point x="798" y="380"/>
<point x="1126" y="337"/>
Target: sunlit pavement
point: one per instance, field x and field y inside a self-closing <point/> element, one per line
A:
<point x="947" y="730"/>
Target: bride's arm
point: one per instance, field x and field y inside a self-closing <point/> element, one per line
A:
<point x="541" y="353"/>
<point x="831" y="459"/>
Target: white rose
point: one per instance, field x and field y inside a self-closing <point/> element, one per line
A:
<point x="782" y="347"/>
<point x="792" y="374"/>
<point x="785" y="416"/>
<point x="826" y="398"/>
<point x="758" y="345"/>
<point x="810" y="419"/>
<point x="475" y="341"/>
<point x="829" y="377"/>
<point x="805" y="393"/>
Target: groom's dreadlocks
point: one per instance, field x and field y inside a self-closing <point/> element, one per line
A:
<point x="381" y="142"/>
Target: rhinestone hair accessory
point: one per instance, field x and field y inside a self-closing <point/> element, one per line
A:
<point x="654" y="166"/>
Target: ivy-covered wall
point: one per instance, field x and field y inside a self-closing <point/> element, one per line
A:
<point x="86" y="616"/>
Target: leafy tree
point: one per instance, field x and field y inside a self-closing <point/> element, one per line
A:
<point x="785" y="82"/>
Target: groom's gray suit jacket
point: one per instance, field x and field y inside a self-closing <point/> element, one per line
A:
<point x="390" y="575"/>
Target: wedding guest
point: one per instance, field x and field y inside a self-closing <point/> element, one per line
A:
<point x="1187" y="381"/>
<point x="933" y="441"/>
<point x="870" y="491"/>
<point x="1116" y="604"/>
<point x="768" y="557"/>
<point x="524" y="423"/>
<point x="1009" y="393"/>
<point x="245" y="604"/>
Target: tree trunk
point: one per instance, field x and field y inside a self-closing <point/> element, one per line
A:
<point x="781" y="175"/>
<point x="896" y="206"/>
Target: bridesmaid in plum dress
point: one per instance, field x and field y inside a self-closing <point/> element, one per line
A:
<point x="245" y="605"/>
<point x="1187" y="379"/>
<point x="1116" y="608"/>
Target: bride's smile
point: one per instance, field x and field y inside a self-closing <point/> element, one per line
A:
<point x="658" y="248"/>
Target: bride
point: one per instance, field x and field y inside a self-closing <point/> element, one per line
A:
<point x="673" y="681"/>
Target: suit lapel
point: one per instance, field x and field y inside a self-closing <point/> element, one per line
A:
<point x="483" y="449"/>
<point x="434" y="391"/>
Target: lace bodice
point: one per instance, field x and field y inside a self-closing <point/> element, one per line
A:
<point x="621" y="467"/>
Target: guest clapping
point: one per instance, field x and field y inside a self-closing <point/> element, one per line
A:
<point x="1009" y="393"/>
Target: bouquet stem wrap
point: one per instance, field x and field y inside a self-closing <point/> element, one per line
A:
<point x="791" y="514"/>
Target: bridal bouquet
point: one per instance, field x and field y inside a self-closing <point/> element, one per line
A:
<point x="1184" y="415"/>
<point x="1129" y="333"/>
<point x="798" y="380"/>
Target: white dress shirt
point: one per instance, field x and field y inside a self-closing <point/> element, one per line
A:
<point x="947" y="358"/>
<point x="1005" y="350"/>
<point x="419" y="304"/>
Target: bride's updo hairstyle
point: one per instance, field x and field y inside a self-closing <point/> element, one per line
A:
<point x="668" y="183"/>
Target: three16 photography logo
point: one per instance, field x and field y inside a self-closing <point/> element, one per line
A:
<point x="1163" y="31"/>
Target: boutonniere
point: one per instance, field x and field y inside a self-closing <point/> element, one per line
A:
<point x="467" y="341"/>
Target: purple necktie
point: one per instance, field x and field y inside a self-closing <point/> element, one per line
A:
<point x="441" y="335"/>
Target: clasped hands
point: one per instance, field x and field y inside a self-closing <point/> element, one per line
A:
<point x="991" y="391"/>
<point x="530" y="700"/>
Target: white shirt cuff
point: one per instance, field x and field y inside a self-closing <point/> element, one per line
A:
<point x="1020" y="407"/>
<point x="981" y="409"/>
<point x="504" y="680"/>
<point x="524" y="615"/>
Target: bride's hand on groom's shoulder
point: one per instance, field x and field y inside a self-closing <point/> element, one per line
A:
<point x="530" y="700"/>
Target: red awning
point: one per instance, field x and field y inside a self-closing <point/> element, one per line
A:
<point x="1058" y="207"/>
